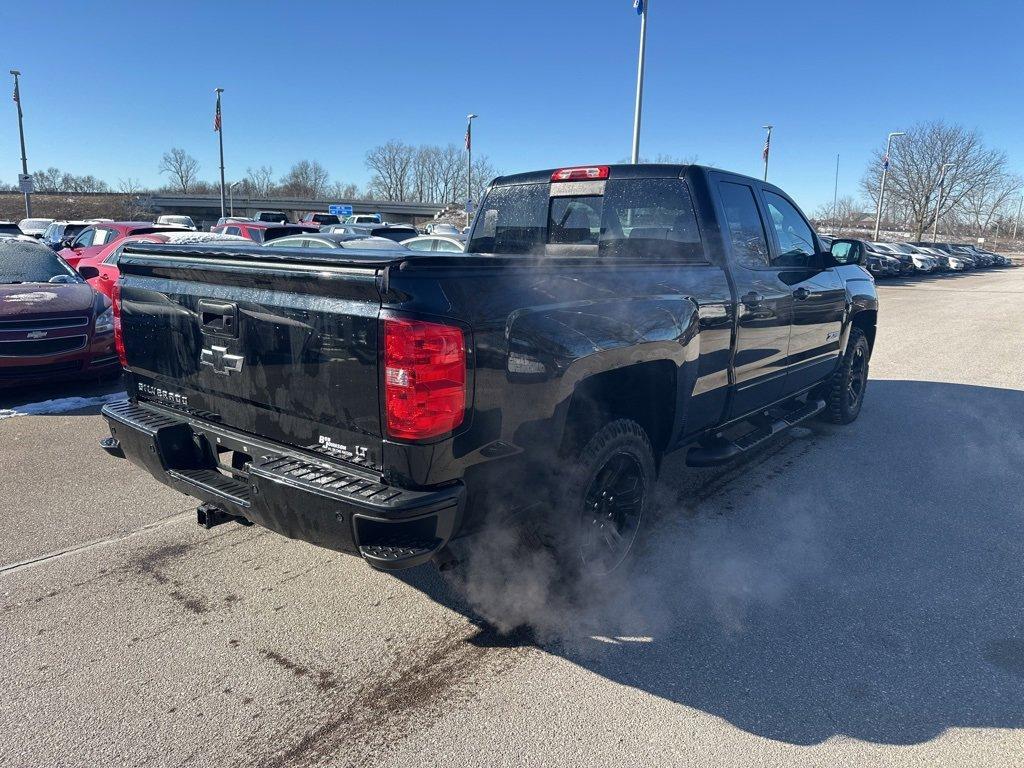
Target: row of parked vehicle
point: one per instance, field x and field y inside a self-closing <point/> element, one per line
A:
<point x="920" y="258"/>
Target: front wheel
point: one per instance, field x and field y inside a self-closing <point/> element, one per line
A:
<point x="845" y="391"/>
<point x="605" y="500"/>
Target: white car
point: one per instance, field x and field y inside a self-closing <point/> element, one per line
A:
<point x="176" y="221"/>
<point x="34" y="227"/>
<point x="435" y="244"/>
<point x="363" y="218"/>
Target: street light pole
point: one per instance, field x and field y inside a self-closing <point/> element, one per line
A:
<point x="885" y="174"/>
<point x="938" y="204"/>
<point x="642" y="7"/>
<point x="469" y="167"/>
<point x="21" y="133"/>
<point x="231" y="195"/>
<point x="1016" y="221"/>
<point x="219" y="127"/>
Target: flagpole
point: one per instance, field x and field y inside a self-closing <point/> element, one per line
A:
<point x="643" y="8"/>
<point x="767" y="148"/>
<point x="21" y="134"/>
<point x="220" y="134"/>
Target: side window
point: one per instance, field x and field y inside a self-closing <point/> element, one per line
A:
<point x="232" y="231"/>
<point x="104" y="236"/>
<point x="112" y="258"/>
<point x="315" y="244"/>
<point x="446" y="247"/>
<point x="85" y="238"/>
<point x="796" y="241"/>
<point x="746" y="232"/>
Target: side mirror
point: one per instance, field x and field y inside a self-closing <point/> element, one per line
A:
<point x="847" y="252"/>
<point x="88" y="272"/>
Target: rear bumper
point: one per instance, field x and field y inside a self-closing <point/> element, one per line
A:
<point x="286" y="491"/>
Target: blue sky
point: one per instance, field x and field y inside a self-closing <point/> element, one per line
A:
<point x="107" y="89"/>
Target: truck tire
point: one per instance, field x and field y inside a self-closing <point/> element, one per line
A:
<point x="604" y="500"/>
<point x="844" y="393"/>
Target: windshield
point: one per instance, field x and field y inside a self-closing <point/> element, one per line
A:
<point x="9" y="227"/>
<point x="637" y="218"/>
<point x="903" y="248"/>
<point x="183" y="220"/>
<point x="22" y="262"/>
<point x="444" y="229"/>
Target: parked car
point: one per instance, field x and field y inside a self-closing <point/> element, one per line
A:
<point x="271" y="217"/>
<point x="435" y="243"/>
<point x="396" y="232"/>
<point x="259" y="231"/>
<point x="320" y="219"/>
<point x="363" y="218"/>
<point x="92" y="239"/>
<point x="53" y="326"/>
<point x="101" y="271"/>
<point x="60" y="234"/>
<point x="394" y="402"/>
<point x="948" y="262"/>
<point x="336" y="240"/>
<point x="979" y="259"/>
<point x="10" y="228"/>
<point x="444" y="229"/>
<point x="231" y="219"/>
<point x="909" y="263"/>
<point x="998" y="259"/>
<point x="34" y="227"/>
<point x="877" y="263"/>
<point x="174" y="220"/>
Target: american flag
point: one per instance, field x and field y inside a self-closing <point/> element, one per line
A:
<point x="885" y="161"/>
<point x="469" y="136"/>
<point x="767" y="147"/>
<point x="216" y="115"/>
<point x="639" y="5"/>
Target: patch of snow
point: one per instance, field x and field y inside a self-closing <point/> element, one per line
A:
<point x="59" y="405"/>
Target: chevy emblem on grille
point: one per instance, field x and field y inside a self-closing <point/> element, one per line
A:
<point x="36" y="335"/>
<point x="221" y="362"/>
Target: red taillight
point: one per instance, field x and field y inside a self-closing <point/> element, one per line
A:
<point x="583" y="173"/>
<point x="424" y="378"/>
<point x="115" y="297"/>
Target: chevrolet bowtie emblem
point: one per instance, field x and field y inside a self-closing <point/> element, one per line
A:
<point x="221" y="362"/>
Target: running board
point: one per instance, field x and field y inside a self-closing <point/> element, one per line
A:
<point x="722" y="451"/>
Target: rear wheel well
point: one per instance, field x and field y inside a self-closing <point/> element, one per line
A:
<point x="644" y="393"/>
<point x="867" y="320"/>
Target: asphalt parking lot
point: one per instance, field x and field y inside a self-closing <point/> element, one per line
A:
<point x="847" y="596"/>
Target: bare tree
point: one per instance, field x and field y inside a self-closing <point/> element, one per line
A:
<point x="181" y="166"/>
<point x="840" y="216"/>
<point x="307" y="178"/>
<point x="916" y="167"/>
<point x="483" y="175"/>
<point x="391" y="165"/>
<point x="984" y="204"/>
<point x="131" y="203"/>
<point x="341" y="191"/>
<point x="48" y="180"/>
<point x="259" y="181"/>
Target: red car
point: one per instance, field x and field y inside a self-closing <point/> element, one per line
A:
<point x="261" y="231"/>
<point x="91" y="240"/>
<point x="52" y="324"/>
<point x="101" y="272"/>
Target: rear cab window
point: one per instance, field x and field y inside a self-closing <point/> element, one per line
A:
<point x="643" y="218"/>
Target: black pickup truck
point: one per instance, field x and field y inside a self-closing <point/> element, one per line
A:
<point x="382" y="403"/>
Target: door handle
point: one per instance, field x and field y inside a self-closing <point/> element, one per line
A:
<point x="801" y="294"/>
<point x="218" y="317"/>
<point x="752" y="299"/>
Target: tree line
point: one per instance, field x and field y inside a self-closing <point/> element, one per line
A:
<point x="979" y="192"/>
<point x="398" y="171"/>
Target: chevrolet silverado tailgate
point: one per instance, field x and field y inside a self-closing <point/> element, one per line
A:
<point x="280" y="343"/>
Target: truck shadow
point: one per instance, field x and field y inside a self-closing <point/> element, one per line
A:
<point x="859" y="581"/>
